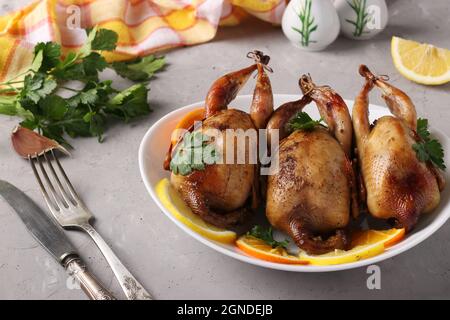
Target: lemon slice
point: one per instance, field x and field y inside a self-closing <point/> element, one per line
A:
<point x="173" y="202"/>
<point x="259" y="249"/>
<point x="342" y="256"/>
<point x="365" y="244"/>
<point x="420" y="62"/>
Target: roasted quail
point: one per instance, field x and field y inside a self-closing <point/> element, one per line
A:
<point x="312" y="195"/>
<point x="398" y="186"/>
<point x="223" y="194"/>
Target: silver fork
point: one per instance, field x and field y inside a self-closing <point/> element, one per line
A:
<point x="71" y="213"/>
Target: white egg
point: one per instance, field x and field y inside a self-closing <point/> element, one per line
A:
<point x="362" y="19"/>
<point x="310" y="24"/>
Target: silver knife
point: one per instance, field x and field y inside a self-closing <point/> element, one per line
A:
<point x="52" y="238"/>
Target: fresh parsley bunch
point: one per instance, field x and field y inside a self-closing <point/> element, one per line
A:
<point x="86" y="112"/>
<point x="428" y="149"/>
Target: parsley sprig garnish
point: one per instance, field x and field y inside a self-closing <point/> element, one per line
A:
<point x="267" y="236"/>
<point x="86" y="111"/>
<point x="428" y="149"/>
<point x="140" y="69"/>
<point x="302" y="121"/>
<point x="193" y="153"/>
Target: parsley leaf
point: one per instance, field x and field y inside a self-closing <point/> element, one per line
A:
<point x="51" y="53"/>
<point x="99" y="39"/>
<point x="193" y="153"/>
<point x="428" y="149"/>
<point x="422" y="128"/>
<point x="87" y="110"/>
<point x="36" y="87"/>
<point x="267" y="236"/>
<point x="84" y="70"/>
<point x="87" y="97"/>
<point x="102" y="39"/>
<point x="140" y="69"/>
<point x="302" y="121"/>
<point x="85" y="65"/>
<point x="421" y="153"/>
<point x="53" y="107"/>
<point x="130" y="103"/>
<point x="93" y="63"/>
<point x="66" y="63"/>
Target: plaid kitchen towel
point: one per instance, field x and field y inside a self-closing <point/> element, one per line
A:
<point x="144" y="26"/>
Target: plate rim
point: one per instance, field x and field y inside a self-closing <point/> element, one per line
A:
<point x="387" y="254"/>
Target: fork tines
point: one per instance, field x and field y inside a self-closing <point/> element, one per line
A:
<point x="66" y="195"/>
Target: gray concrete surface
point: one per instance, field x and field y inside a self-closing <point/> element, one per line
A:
<point x="168" y="262"/>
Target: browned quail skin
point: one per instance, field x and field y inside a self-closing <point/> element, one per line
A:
<point x="225" y="194"/>
<point x="398" y="186"/>
<point x="310" y="198"/>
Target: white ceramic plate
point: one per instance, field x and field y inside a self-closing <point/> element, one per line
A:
<point x="154" y="146"/>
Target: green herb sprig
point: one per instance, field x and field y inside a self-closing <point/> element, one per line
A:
<point x="302" y="121"/>
<point x="86" y="112"/>
<point x="308" y="25"/>
<point x="428" y="149"/>
<point x="140" y="69"/>
<point x="362" y="16"/>
<point x="267" y="236"/>
<point x="193" y="153"/>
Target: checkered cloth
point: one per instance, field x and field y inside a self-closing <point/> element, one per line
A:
<point x="144" y="26"/>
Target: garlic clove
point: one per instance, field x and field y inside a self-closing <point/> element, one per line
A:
<point x="28" y="143"/>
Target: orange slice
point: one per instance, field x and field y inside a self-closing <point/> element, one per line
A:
<point x="387" y="237"/>
<point x="186" y="122"/>
<point x="259" y="249"/>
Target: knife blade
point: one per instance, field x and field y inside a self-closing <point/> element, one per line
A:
<point x="50" y="235"/>
<point x="39" y="224"/>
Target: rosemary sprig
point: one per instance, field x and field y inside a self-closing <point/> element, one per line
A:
<point x="308" y="25"/>
<point x="362" y="16"/>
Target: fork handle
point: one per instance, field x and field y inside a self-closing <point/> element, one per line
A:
<point x="93" y="289"/>
<point x="130" y="286"/>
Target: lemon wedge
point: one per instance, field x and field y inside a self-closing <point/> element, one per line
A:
<point x="420" y="62"/>
<point x="173" y="202"/>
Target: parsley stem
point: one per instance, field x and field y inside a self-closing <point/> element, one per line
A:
<point x="13" y="88"/>
<point x="13" y="82"/>
<point x="70" y="89"/>
<point x="7" y="90"/>
<point x="15" y="77"/>
<point x="68" y="121"/>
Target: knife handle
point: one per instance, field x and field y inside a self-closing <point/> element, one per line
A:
<point x="93" y="289"/>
